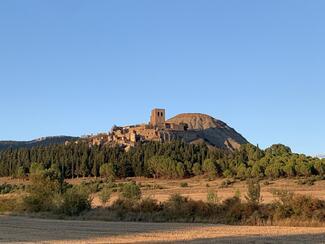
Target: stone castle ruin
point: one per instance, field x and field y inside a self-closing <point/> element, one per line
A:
<point x="156" y="130"/>
<point x="189" y="127"/>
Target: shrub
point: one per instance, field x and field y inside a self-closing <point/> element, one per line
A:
<point x="92" y="186"/>
<point x="184" y="184"/>
<point x="36" y="169"/>
<point x="196" y="169"/>
<point x="237" y="193"/>
<point x="107" y="171"/>
<point x="267" y="183"/>
<point x="230" y="211"/>
<point x="175" y="206"/>
<point x="226" y="183"/>
<point x="233" y="210"/>
<point x="209" y="168"/>
<point x="74" y="201"/>
<point x="299" y="207"/>
<point x="180" y="169"/>
<point x="176" y="200"/>
<point x="131" y="191"/>
<point x="309" y="181"/>
<point x="105" y="195"/>
<point x="212" y="197"/>
<point x="227" y="173"/>
<point x="149" y="205"/>
<point x="152" y="186"/>
<point x="45" y="184"/>
<point x="253" y="192"/>
<point x="9" y="188"/>
<point x="21" y="172"/>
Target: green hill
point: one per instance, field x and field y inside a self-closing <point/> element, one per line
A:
<point x="43" y="141"/>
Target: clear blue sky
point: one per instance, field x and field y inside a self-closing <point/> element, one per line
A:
<point x="78" y="67"/>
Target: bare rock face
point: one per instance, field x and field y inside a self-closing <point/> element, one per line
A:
<point x="214" y="132"/>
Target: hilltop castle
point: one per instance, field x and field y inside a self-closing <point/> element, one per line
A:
<point x="189" y="127"/>
<point x="158" y="129"/>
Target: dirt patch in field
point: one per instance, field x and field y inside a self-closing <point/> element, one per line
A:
<point x="30" y="230"/>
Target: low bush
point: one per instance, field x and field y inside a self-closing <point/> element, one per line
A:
<point x="309" y="181"/>
<point x="47" y="193"/>
<point x="267" y="183"/>
<point x="253" y="192"/>
<point x="105" y="195"/>
<point x="131" y="191"/>
<point x="92" y="186"/>
<point x="288" y="207"/>
<point x="296" y="206"/>
<point x="41" y="193"/>
<point x="10" y="188"/>
<point x="226" y="183"/>
<point x="212" y="197"/>
<point x="74" y="201"/>
<point x="183" y="184"/>
<point x="149" y="205"/>
<point x="152" y="187"/>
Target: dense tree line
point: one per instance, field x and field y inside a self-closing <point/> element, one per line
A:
<point x="170" y="160"/>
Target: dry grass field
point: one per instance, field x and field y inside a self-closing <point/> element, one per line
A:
<point x="15" y="229"/>
<point x="198" y="188"/>
<point x="32" y="230"/>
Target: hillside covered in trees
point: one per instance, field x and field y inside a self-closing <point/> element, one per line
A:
<point x="168" y="160"/>
<point x="44" y="141"/>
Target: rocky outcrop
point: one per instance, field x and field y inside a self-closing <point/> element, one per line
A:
<point x="205" y="128"/>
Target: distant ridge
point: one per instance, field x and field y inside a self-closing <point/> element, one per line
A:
<point x="42" y="141"/>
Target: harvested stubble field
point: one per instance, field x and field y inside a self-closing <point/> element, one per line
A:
<point x="32" y="230"/>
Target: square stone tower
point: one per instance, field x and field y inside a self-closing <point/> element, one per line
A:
<point x="157" y="118"/>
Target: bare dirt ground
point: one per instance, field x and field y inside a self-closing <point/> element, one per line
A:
<point x="31" y="230"/>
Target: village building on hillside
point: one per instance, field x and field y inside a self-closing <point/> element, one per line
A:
<point x="156" y="130"/>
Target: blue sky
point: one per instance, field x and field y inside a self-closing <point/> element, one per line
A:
<point x="78" y="67"/>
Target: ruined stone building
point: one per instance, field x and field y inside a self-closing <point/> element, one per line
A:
<point x="156" y="130"/>
<point x="189" y="127"/>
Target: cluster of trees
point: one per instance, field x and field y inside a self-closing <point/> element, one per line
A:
<point x="49" y="193"/>
<point x="169" y="160"/>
